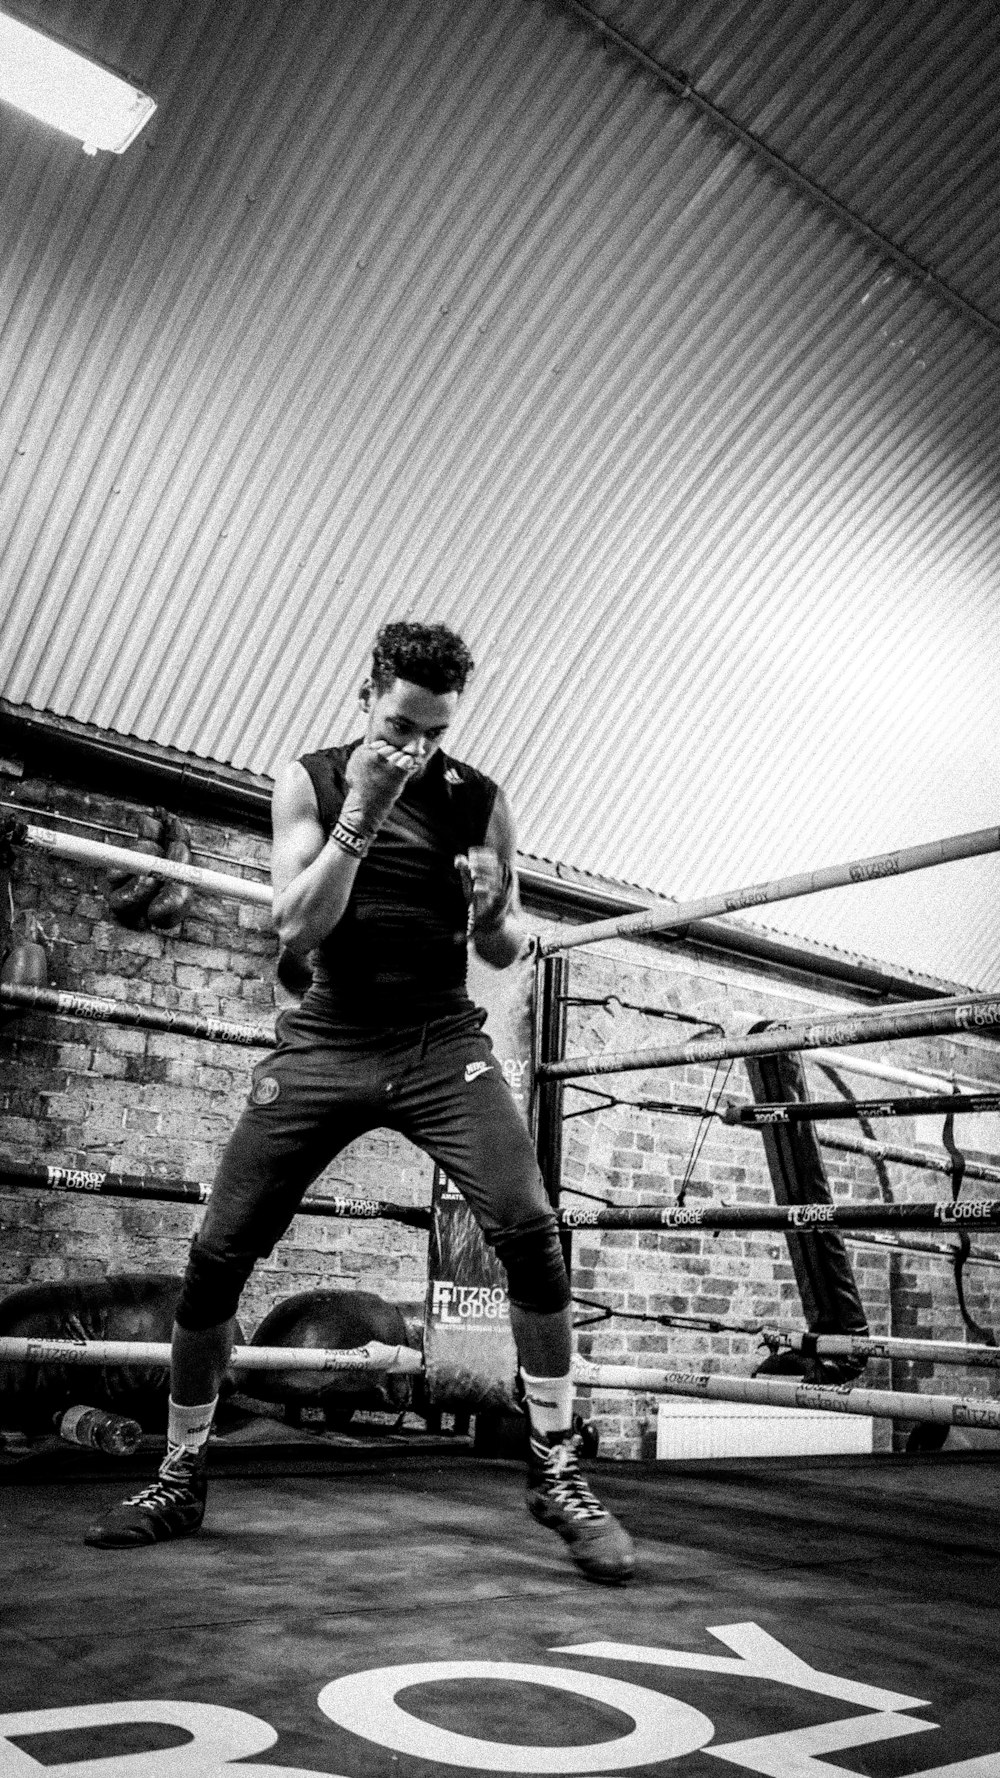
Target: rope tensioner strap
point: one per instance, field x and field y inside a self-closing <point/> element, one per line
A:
<point x="601" y="1312"/>
<point x="608" y="1001"/>
<point x="607" y="1101"/>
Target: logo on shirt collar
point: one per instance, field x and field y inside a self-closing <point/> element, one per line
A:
<point x="452" y="777"/>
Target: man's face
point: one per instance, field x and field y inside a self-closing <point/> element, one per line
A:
<point x="410" y="718"/>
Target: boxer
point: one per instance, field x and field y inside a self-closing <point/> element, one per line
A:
<point x="388" y="856"/>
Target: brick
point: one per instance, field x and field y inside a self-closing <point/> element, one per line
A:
<point x="188" y="976"/>
<point x="144" y="944"/>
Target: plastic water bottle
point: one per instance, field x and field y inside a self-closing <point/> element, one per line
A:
<point x="111" y="1433"/>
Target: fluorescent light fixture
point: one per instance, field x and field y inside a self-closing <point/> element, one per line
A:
<point x="63" y="88"/>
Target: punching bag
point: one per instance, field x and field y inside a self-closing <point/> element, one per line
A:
<point x="338" y="1320"/>
<point x="131" y="1306"/>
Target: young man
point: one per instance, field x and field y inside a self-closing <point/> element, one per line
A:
<point x="386" y="854"/>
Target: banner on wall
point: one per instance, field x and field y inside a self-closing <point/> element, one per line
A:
<point x="469" y="1356"/>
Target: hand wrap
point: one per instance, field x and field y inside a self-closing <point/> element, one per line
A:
<point x="488" y="884"/>
<point x="377" y="775"/>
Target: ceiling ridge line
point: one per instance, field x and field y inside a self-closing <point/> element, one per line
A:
<point x="678" y="83"/>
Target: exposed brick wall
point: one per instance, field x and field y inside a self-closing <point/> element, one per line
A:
<point x="86" y="1094"/>
<point x="630" y="1156"/>
<point x="78" y="1093"/>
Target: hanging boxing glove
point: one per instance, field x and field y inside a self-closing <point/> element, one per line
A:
<point x="170" y="903"/>
<point x="132" y="892"/>
<point x="26" y="963"/>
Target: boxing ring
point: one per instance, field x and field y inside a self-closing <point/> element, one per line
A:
<point x="356" y="1608"/>
<point x="956" y="1014"/>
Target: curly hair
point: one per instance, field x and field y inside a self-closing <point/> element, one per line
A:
<point x="430" y="655"/>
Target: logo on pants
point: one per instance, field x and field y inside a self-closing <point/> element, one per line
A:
<point x="265" y="1090"/>
<point x="474" y="1069"/>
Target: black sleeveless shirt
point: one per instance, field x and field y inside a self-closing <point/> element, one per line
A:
<point x="398" y="955"/>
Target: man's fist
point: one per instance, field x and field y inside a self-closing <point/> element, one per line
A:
<point x="487" y="881"/>
<point x="377" y="775"/>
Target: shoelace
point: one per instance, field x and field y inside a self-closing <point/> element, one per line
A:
<point x="568" y="1488"/>
<point x="168" y="1489"/>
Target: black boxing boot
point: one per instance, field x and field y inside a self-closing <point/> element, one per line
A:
<point x="172" y="1506"/>
<point x="558" y="1496"/>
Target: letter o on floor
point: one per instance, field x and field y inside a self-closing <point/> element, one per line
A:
<point x="366" y="1704"/>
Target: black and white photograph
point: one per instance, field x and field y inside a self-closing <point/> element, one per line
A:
<point x="499" y="888"/>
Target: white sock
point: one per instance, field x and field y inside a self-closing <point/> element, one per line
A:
<point x="550" y="1404"/>
<point x="190" y="1426"/>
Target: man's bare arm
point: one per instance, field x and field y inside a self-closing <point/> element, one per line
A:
<point x="503" y="942"/>
<point x="312" y="876"/>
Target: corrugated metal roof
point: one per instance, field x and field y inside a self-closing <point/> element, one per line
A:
<point x="442" y="310"/>
<point x="892" y="109"/>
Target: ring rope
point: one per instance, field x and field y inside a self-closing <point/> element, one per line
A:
<point x="940" y="1250"/>
<point x="374" y="1356"/>
<point x="907" y="1157"/>
<point x="978" y="1357"/>
<point x="929" y="1351"/>
<point x="810" y="1111"/>
<point x="838" y="1398"/>
<point x="125" y="833"/>
<point x="861" y="1145"/>
<point x="93" y="1183"/>
<point x="982" y="1213"/>
<point x="406" y="1360"/>
<point x="979" y="1213"/>
<point x="662" y="916"/>
<point x="141" y="1018"/>
<point x="945" y="1250"/>
<point x="77" y="850"/>
<point x="918" y="1018"/>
